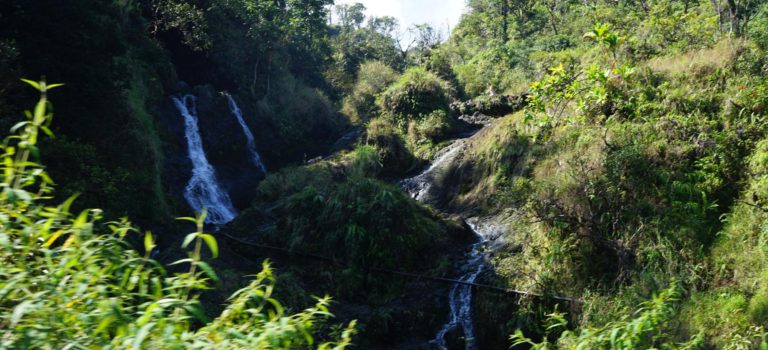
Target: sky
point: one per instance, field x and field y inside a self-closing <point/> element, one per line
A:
<point x="439" y="13"/>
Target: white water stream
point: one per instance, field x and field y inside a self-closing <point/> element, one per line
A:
<point x="422" y="188"/>
<point x="255" y="157"/>
<point x="203" y="190"/>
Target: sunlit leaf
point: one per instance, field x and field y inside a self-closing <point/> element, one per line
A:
<point x="188" y="239"/>
<point x="210" y="241"/>
<point x="32" y="83"/>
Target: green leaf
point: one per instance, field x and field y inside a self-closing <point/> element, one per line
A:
<point x="210" y="241"/>
<point x="68" y="203"/>
<point x="39" y="112"/>
<point x="195" y="310"/>
<point x="47" y="131"/>
<point x="19" y="311"/>
<point x="81" y="220"/>
<point x="143" y="333"/>
<point x="209" y="271"/>
<point x="32" y="83"/>
<point x="18" y="126"/>
<point x="182" y="261"/>
<point x="149" y="244"/>
<point x="186" y="218"/>
<point x="187" y="240"/>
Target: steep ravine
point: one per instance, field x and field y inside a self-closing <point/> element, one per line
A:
<point x="450" y="313"/>
<point x="437" y="186"/>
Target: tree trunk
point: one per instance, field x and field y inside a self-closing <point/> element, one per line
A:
<point x="716" y="5"/>
<point x="733" y="10"/>
<point x="552" y="6"/>
<point x="505" y="19"/>
<point x="255" y="78"/>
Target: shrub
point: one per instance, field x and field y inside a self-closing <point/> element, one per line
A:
<point x="365" y="162"/>
<point x="300" y="118"/>
<point x="493" y="70"/>
<point x="372" y="79"/>
<point x="63" y="284"/>
<point x="758" y="30"/>
<point x="394" y="155"/>
<point x="364" y="222"/>
<point x="647" y="330"/>
<point x="417" y="94"/>
<point x="434" y="126"/>
<point x="758" y="306"/>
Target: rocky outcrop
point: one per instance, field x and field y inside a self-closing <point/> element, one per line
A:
<point x="495" y="106"/>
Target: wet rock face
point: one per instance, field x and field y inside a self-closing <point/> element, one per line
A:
<point x="452" y="170"/>
<point x="433" y="186"/>
<point x="454" y="339"/>
<point x="496" y="105"/>
<point x="476" y="119"/>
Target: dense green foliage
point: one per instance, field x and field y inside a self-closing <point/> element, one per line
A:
<point x="647" y="329"/>
<point x="122" y="59"/>
<point x="636" y="161"/>
<point x="367" y="223"/>
<point x="636" y="174"/>
<point x="339" y="206"/>
<point x="415" y="96"/>
<point x="65" y="284"/>
<point x="372" y="79"/>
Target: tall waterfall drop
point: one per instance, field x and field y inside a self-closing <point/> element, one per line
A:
<point x="255" y="157"/>
<point x="203" y="190"/>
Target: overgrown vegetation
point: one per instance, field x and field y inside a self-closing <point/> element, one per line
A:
<point x="626" y="170"/>
<point x="631" y="171"/>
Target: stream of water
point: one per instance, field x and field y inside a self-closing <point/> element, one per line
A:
<point x="251" y="144"/>
<point x="460" y="299"/>
<point x="423" y="188"/>
<point x="203" y="190"/>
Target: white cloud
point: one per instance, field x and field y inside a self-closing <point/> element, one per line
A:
<point x="438" y="13"/>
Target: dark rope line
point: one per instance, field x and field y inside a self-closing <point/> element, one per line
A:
<point x="406" y="274"/>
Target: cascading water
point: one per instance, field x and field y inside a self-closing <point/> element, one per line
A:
<point x="422" y="188"/>
<point x="255" y="157"/>
<point x="203" y="190"/>
<point x="460" y="297"/>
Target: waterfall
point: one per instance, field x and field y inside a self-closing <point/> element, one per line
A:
<point x="422" y="187"/>
<point x="460" y="296"/>
<point x="203" y="190"/>
<point x="425" y="188"/>
<point x="255" y="157"/>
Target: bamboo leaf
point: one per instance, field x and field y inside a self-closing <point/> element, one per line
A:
<point x="143" y="333"/>
<point x="149" y="243"/>
<point x="32" y="83"/>
<point x="210" y="241"/>
<point x="186" y="218"/>
<point x="53" y="238"/>
<point x="19" y="311"/>
<point x="209" y="271"/>
<point x="187" y="240"/>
